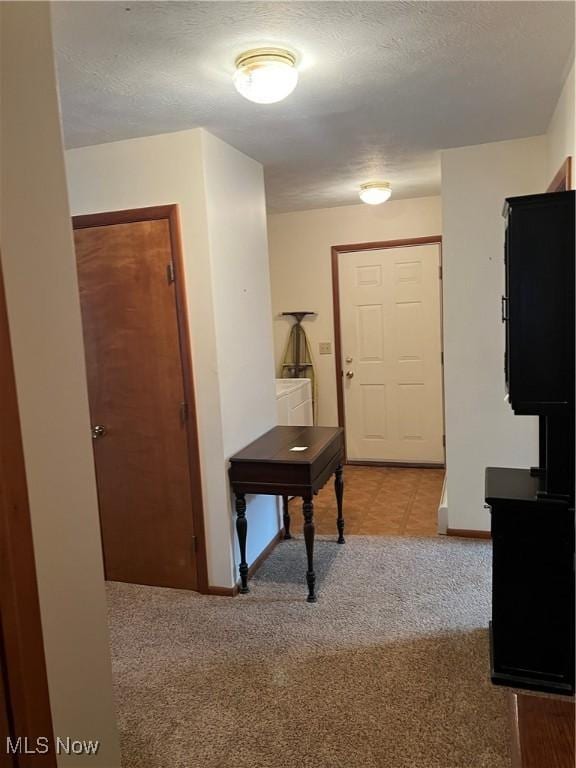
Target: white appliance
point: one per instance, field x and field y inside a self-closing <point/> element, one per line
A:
<point x="294" y="402"/>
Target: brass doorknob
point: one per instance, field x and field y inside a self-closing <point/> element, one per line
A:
<point x="98" y="431"/>
<point x="349" y="374"/>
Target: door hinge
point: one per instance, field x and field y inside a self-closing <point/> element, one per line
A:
<point x="444" y="441"/>
<point x="194" y="544"/>
<point x="442" y="357"/>
<point x="440" y="272"/>
<point x="183" y="412"/>
<point x="170" y="273"/>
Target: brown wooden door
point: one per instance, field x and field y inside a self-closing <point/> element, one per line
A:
<point x="137" y="395"/>
<point x="24" y="698"/>
<point x="7" y="760"/>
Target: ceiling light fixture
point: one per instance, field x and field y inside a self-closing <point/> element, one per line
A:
<point x="266" y="75"/>
<point x="375" y="192"/>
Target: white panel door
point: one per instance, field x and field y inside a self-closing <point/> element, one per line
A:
<point x="391" y="354"/>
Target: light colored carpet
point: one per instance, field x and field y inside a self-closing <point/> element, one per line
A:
<point x="388" y="670"/>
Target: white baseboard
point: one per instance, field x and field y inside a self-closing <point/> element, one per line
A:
<point x="443" y="510"/>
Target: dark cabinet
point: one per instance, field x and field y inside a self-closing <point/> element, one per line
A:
<point x="532" y="510"/>
<point x="538" y="305"/>
<point x="532" y="635"/>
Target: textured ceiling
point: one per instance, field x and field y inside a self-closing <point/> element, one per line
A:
<point x="383" y="86"/>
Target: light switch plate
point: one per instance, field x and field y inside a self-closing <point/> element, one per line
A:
<point x="325" y="347"/>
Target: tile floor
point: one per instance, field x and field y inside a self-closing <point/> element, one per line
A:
<point x="380" y="501"/>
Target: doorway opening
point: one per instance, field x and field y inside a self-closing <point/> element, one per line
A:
<point x="141" y="396"/>
<point x="387" y="303"/>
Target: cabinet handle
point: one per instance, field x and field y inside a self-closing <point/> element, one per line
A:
<point x="505" y="309"/>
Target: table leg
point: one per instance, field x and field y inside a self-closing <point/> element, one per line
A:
<point x="308" y="511"/>
<point x="287" y="534"/>
<point x="242" y="530"/>
<point x="339" y="489"/>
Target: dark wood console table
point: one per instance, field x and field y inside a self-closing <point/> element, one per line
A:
<point x="289" y="461"/>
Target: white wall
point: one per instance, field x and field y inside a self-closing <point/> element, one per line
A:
<point x="45" y="328"/>
<point x="196" y="171"/>
<point x="561" y="135"/>
<point x="300" y="267"/>
<point x="236" y="211"/>
<point x="481" y="429"/>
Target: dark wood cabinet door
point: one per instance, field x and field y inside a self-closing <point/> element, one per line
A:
<point x="137" y="402"/>
<point x="538" y="307"/>
<point x="532" y="584"/>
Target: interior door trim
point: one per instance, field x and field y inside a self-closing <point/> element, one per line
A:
<point x="336" y="250"/>
<point x="562" y="181"/>
<point x="172" y="214"/>
<point x="23" y="661"/>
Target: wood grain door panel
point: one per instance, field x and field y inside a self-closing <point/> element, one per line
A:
<point x="391" y="350"/>
<point x="7" y="760"/>
<point x="136" y="391"/>
<point x="24" y="697"/>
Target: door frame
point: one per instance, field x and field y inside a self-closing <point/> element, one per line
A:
<point x="171" y="213"/>
<point x="22" y="657"/>
<point x="378" y="245"/>
<point x="562" y="181"/>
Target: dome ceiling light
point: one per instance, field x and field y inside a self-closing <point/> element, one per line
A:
<point x="375" y="192"/>
<point x="266" y="75"/>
